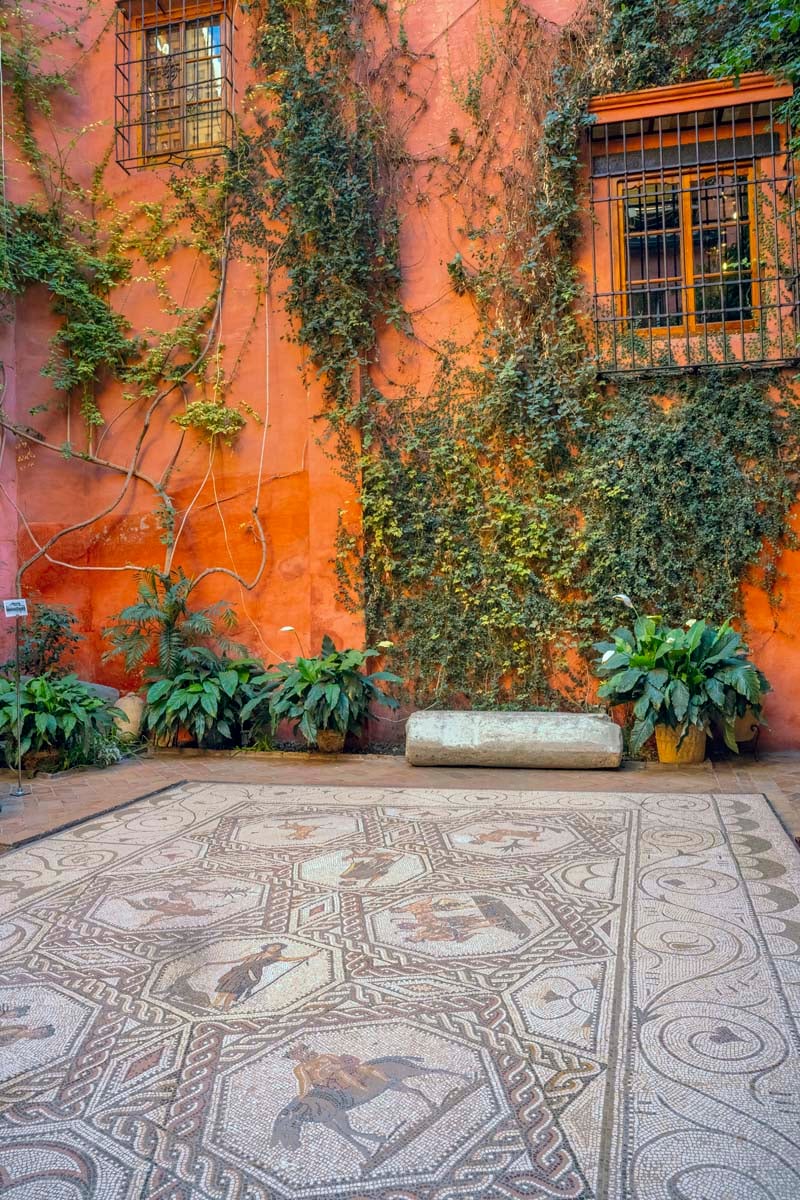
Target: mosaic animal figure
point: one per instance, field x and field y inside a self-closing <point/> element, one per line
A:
<point x="432" y="920"/>
<point x="329" y="1105"/>
<point x="498" y="836"/>
<point x="299" y="832"/>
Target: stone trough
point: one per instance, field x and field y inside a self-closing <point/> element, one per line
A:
<point x="513" y="739"/>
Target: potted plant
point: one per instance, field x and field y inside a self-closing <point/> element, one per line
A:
<point x="679" y="681"/>
<point x="325" y="697"/>
<point x="60" y="719"/>
<point x="204" y="701"/>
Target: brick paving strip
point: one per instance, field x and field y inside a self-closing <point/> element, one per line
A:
<point x="255" y="990"/>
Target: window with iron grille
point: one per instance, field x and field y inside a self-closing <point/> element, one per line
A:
<point x="694" y="228"/>
<point x="174" y="85"/>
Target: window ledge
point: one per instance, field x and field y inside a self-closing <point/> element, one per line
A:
<point x="686" y="97"/>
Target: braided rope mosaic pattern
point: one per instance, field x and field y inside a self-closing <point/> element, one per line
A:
<point x="228" y="992"/>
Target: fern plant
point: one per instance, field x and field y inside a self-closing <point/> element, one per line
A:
<point x="163" y="627"/>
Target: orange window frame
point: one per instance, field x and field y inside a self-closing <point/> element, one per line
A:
<point x="155" y="19"/>
<point x="689" y="279"/>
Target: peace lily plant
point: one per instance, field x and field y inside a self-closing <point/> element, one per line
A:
<point x="324" y="697"/>
<point x="680" y="681"/>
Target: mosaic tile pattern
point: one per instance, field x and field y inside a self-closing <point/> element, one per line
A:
<point x="230" y="992"/>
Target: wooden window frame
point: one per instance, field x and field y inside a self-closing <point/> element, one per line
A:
<point x="704" y="130"/>
<point x="689" y="280"/>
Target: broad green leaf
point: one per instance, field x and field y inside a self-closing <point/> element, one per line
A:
<point x="228" y="681"/>
<point x="626" y="680"/>
<point x="157" y="690"/>
<point x="679" y="698"/>
<point x="641" y="732"/>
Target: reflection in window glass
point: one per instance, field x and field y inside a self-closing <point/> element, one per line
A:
<point x="653" y="254"/>
<point x="723" y="270"/>
<point x="183" y="83"/>
<point x="688" y="248"/>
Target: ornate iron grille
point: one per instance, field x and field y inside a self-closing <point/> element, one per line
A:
<point x="694" y="239"/>
<point x="174" y="81"/>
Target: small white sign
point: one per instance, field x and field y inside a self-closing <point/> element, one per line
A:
<point x="15" y="608"/>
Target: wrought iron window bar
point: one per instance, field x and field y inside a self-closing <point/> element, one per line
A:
<point x="694" y="240"/>
<point x="174" y="87"/>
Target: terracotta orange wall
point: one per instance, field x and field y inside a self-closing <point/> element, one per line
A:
<point x="301" y="491"/>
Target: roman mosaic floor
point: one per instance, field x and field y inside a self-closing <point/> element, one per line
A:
<point x="241" y="992"/>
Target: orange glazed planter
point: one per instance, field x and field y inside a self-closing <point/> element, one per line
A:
<point x="692" y="749"/>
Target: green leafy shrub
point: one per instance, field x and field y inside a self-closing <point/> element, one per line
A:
<point x="211" y="419"/>
<point x="61" y="716"/>
<point x="680" y="677"/>
<point x="47" y="641"/>
<point x="163" y="627"/>
<point x="206" y="701"/>
<point x="329" y="691"/>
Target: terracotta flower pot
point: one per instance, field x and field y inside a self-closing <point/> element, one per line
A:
<point x="330" y="741"/>
<point x="746" y="728"/>
<point x="39" y="760"/>
<point x="691" y="750"/>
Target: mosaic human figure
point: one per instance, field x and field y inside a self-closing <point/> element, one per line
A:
<point x="12" y="1031"/>
<point x="343" y="1071"/>
<point x="243" y="977"/>
<point x="368" y="867"/>
<point x="174" y="904"/>
<point x="334" y="1084"/>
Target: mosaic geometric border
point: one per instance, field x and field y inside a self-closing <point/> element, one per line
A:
<point x="252" y="993"/>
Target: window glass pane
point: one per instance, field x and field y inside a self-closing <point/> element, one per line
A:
<point x="657" y="306"/>
<point x="652" y="207"/>
<point x="183" y="85"/>
<point x="715" y="302"/>
<point x="651" y="224"/>
<point x="721" y="239"/>
<point x="162" y="90"/>
<point x="654" y="257"/>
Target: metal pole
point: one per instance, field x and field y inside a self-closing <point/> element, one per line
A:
<point x="18" y="790"/>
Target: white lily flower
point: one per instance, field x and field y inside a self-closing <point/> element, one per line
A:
<point x="623" y="599"/>
<point x="608" y="654"/>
